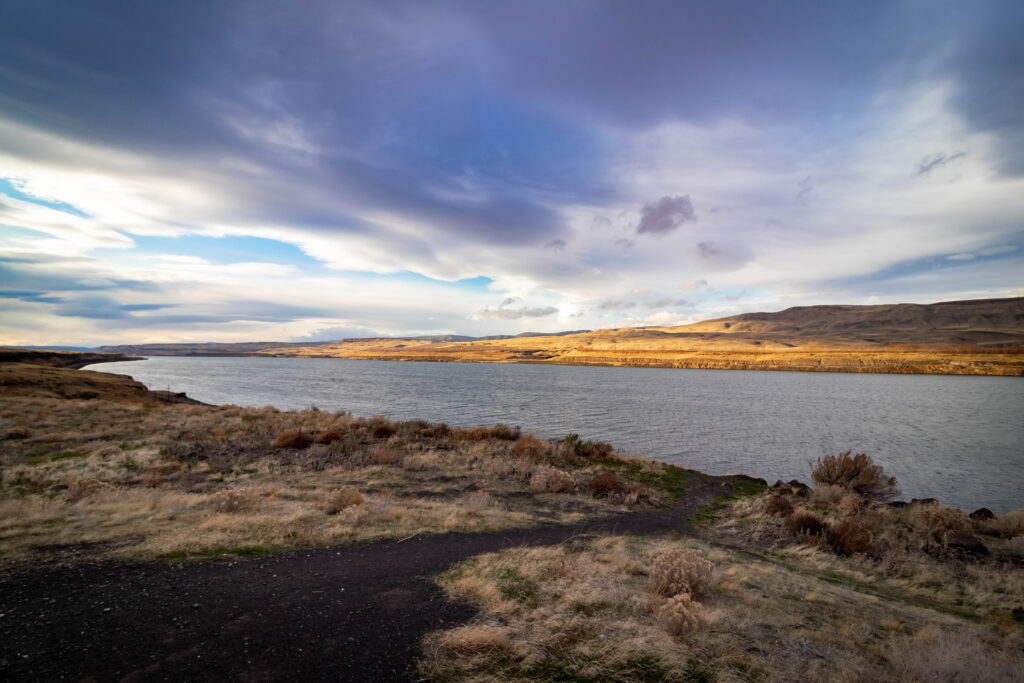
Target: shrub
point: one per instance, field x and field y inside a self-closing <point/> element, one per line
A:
<point x="805" y="523"/>
<point x="588" y="449"/>
<point x="343" y="498"/>
<point x="18" y="433"/>
<point x="680" y="615"/>
<point x="848" y="537"/>
<point x="382" y="430"/>
<point x="504" y="432"/>
<point x="474" y="434"/>
<point x="778" y="506"/>
<point x="293" y="439"/>
<point x="850" y="503"/>
<point x="331" y="435"/>
<point x="856" y="473"/>
<point x="606" y="483"/>
<point x="530" y="447"/>
<point x="552" y="479"/>
<point x="677" y="571"/>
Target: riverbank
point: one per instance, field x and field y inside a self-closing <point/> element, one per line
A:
<point x="181" y="535"/>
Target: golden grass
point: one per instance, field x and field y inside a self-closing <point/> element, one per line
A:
<point x="583" y="611"/>
<point x="145" y="480"/>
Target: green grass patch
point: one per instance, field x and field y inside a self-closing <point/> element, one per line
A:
<point x="56" y="457"/>
<point x="514" y="586"/>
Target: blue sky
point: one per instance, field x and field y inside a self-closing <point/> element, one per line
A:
<point x="225" y="171"/>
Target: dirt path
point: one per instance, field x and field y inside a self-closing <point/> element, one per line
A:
<point x="354" y="612"/>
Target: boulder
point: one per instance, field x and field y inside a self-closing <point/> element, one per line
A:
<point x="897" y="504"/>
<point x="924" y="502"/>
<point x="982" y="514"/>
<point x="799" y="489"/>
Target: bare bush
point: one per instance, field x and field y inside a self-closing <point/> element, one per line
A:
<point x="342" y="498"/>
<point x="606" y="483"/>
<point x="382" y="430"/>
<point x="530" y="447"/>
<point x="331" y="435"/>
<point x="850" y="503"/>
<point x="552" y="479"/>
<point x="680" y="615"/>
<point x="805" y="523"/>
<point x="849" y="538"/>
<point x="856" y="473"/>
<point x="778" y="506"/>
<point x="677" y="571"/>
<point x="293" y="439"/>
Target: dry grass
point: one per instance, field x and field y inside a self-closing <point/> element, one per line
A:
<point x="583" y="611"/>
<point x="144" y="479"/>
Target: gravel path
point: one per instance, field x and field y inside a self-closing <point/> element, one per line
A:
<point x="355" y="612"/>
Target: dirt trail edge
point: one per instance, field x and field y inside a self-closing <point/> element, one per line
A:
<point x="353" y="612"/>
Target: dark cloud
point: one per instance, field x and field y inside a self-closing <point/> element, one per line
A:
<point x="708" y="249"/>
<point x="515" y="313"/>
<point x="666" y="302"/>
<point x="556" y="245"/>
<point x="665" y="215"/>
<point x="933" y="161"/>
<point x="616" y="305"/>
<point x="804" y="190"/>
<point x="508" y="301"/>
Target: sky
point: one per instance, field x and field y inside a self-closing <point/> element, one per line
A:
<point x="227" y="171"/>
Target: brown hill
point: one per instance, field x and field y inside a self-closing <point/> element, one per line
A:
<point x="959" y="337"/>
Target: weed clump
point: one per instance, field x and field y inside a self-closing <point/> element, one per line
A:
<point x="607" y="483"/>
<point x="778" y="506"/>
<point x="805" y="523"/>
<point x="382" y="430"/>
<point x="676" y="572"/>
<point x="343" y="498"/>
<point x="293" y="438"/>
<point x="849" y="538"/>
<point x="680" y="615"/>
<point x="856" y="473"/>
<point x="330" y="436"/>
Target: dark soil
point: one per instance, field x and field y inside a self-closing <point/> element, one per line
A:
<point x="355" y="612"/>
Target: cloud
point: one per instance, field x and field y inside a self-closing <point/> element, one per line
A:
<point x="556" y="245"/>
<point x="933" y="161"/>
<point x="666" y="302"/>
<point x="616" y="305"/>
<point x="514" y="313"/>
<point x="625" y="243"/>
<point x="708" y="249"/>
<point x="336" y="332"/>
<point x="665" y="215"/>
<point x="508" y="301"/>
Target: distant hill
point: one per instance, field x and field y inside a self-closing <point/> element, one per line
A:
<point x="879" y="338"/>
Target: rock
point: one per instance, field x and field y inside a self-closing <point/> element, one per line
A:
<point x="897" y="504"/>
<point x="966" y="543"/>
<point x="982" y="514"/>
<point x="799" y="489"/>
<point x="924" y="502"/>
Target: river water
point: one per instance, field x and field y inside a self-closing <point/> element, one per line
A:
<point x="958" y="439"/>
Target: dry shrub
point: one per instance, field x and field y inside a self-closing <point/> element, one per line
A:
<point x="805" y="523"/>
<point x="474" y="434"/>
<point x="504" y="432"/>
<point x="530" y="447"/>
<point x="778" y="506"/>
<point x="680" y="615"/>
<point x="942" y="519"/>
<point x="83" y="488"/>
<point x="293" y="439"/>
<point x="606" y="483"/>
<point x="342" y="498"/>
<point x="385" y="454"/>
<point x="848" y="537"/>
<point x="676" y="571"/>
<point x="232" y="501"/>
<point x="827" y="494"/>
<point x="948" y="655"/>
<point x="552" y="479"/>
<point x="382" y="430"/>
<point x="421" y="462"/>
<point x="856" y="473"/>
<point x="331" y="435"/>
<point x="18" y="433"/>
<point x="850" y="503"/>
<point x="1010" y="525"/>
<point x="427" y="433"/>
